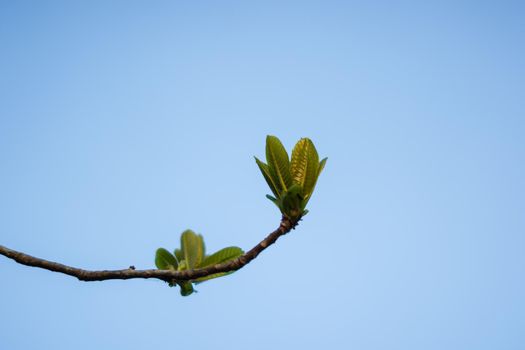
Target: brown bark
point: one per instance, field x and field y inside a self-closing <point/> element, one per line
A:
<point x="165" y="275"/>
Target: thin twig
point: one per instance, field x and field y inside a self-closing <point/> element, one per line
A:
<point x="165" y="275"/>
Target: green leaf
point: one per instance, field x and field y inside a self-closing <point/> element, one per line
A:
<point x="299" y="163"/>
<point x="209" y="277"/>
<point x="278" y="163"/>
<point x="273" y="199"/>
<point x="192" y="246"/>
<point x="321" y="166"/>
<point x="201" y="252"/>
<point x="179" y="255"/>
<point x="292" y="202"/>
<point x="165" y="260"/>
<point x="223" y="255"/>
<point x="186" y="288"/>
<point x="265" y="170"/>
<point x="312" y="171"/>
<point x="183" y="265"/>
<point x="319" y="170"/>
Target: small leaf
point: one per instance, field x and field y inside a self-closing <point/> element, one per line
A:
<point x="192" y="246"/>
<point x="183" y="265"/>
<point x="312" y="171"/>
<point x="292" y="202"/>
<point x="299" y="163"/>
<point x="321" y="166"/>
<point x="179" y="255"/>
<point x="278" y="163"/>
<point x="319" y="170"/>
<point x="223" y="255"/>
<point x="275" y="201"/>
<point x="266" y="174"/>
<point x="186" y="288"/>
<point x="201" y="252"/>
<point x="209" y="277"/>
<point x="165" y="260"/>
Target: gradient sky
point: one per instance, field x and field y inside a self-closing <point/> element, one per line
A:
<point x="122" y="123"/>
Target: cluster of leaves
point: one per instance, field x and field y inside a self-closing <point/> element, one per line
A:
<point x="292" y="181"/>
<point x="192" y="255"/>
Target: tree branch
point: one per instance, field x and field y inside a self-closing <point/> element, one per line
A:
<point x="164" y="275"/>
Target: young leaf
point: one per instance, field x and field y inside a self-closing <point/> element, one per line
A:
<point x="278" y="163"/>
<point x="183" y="265"/>
<point x="312" y="170"/>
<point x="319" y="170"/>
<point x="201" y="252"/>
<point x="165" y="260"/>
<point x="186" y="288"/>
<point x="209" y="277"/>
<point x="292" y="202"/>
<point x="267" y="176"/>
<point x="192" y="246"/>
<point x="273" y="199"/>
<point x="223" y="255"/>
<point x="321" y="166"/>
<point x="179" y="255"/>
<point x="299" y="163"/>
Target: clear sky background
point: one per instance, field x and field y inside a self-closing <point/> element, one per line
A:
<point x="122" y="123"/>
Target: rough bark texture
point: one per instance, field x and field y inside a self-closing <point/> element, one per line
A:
<point x="165" y="275"/>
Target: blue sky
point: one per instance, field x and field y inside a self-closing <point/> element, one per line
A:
<point x="123" y="123"/>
